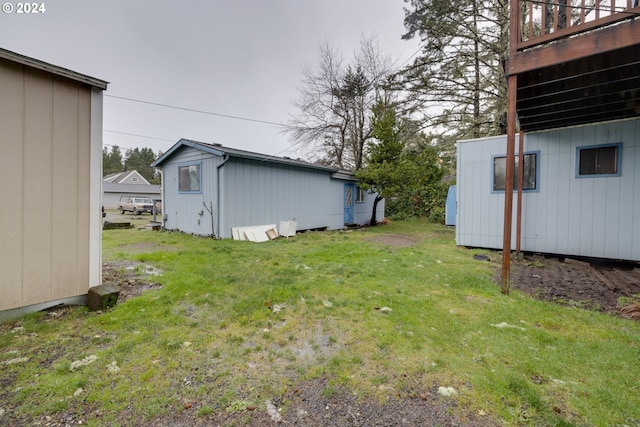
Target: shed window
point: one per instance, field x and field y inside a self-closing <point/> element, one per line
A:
<point x="600" y="160"/>
<point x="189" y="178"/>
<point x="530" y="172"/>
<point x="359" y="195"/>
<point x="134" y="179"/>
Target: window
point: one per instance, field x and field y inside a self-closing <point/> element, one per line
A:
<point x="530" y="172"/>
<point x="134" y="179"/>
<point x="359" y="195"/>
<point x="599" y="160"/>
<point x="189" y="178"/>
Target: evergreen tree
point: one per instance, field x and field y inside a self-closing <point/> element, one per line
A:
<point x="396" y="169"/>
<point x="141" y="160"/>
<point x="457" y="82"/>
<point x="111" y="161"/>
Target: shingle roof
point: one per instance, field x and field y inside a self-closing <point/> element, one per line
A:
<point x="221" y="150"/>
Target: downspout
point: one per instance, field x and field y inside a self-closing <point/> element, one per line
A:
<point x="225" y="159"/>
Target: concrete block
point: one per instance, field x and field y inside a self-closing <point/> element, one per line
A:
<point x="102" y="297"/>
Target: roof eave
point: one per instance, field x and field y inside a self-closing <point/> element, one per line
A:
<point x="54" y="69"/>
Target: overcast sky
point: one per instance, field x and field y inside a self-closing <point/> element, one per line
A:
<point x="240" y="58"/>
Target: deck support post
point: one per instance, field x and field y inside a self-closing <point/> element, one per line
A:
<point x="512" y="88"/>
<point x="508" y="191"/>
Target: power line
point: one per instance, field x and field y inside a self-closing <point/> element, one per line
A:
<point x="228" y="116"/>
<point x="412" y="55"/>
<point x="138" y="135"/>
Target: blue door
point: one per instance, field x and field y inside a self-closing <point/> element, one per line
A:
<point x="349" y="192"/>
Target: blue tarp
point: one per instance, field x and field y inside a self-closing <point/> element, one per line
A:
<point x="450" y="207"/>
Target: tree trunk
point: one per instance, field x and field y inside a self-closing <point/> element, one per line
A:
<point x="373" y="221"/>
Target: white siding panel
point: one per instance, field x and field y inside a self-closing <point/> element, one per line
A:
<point x="561" y="187"/>
<point x="549" y="191"/>
<point x="633" y="229"/>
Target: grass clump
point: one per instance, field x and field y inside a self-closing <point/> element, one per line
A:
<point x="238" y="322"/>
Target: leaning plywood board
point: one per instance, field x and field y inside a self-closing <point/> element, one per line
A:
<point x="256" y="233"/>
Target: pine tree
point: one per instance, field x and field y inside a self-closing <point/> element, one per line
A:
<point x="111" y="161"/>
<point x="457" y="82"/>
<point x="141" y="160"/>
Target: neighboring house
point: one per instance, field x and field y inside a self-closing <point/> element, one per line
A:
<point x="129" y="183"/>
<point x="50" y="183"/>
<point x="242" y="188"/>
<point x="127" y="177"/>
<point x="571" y="203"/>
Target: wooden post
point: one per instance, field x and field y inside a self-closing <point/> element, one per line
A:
<point x="515" y="37"/>
<point x="508" y="191"/>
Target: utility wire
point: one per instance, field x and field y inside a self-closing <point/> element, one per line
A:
<point x="138" y="135"/>
<point x="228" y="116"/>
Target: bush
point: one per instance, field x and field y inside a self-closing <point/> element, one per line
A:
<point x="428" y="202"/>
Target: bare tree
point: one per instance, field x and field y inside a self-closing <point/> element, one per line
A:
<point x="333" y="118"/>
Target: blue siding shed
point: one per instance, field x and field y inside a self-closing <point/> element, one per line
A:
<point x="572" y="207"/>
<point x="208" y="189"/>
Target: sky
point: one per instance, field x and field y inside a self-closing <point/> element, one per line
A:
<point x="241" y="58"/>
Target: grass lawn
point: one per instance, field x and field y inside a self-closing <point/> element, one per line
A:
<point x="236" y="323"/>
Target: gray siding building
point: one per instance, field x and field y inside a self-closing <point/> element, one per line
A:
<point x="581" y="191"/>
<point x="208" y="189"/>
<point x="129" y="183"/>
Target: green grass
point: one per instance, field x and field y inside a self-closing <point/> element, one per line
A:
<point x="209" y="335"/>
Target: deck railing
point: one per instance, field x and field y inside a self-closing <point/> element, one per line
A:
<point x="545" y="20"/>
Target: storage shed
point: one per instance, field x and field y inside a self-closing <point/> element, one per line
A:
<point x="50" y="184"/>
<point x="581" y="191"/>
<point x="208" y="189"/>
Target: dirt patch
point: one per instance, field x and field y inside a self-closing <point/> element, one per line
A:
<point x="588" y="284"/>
<point x="316" y="403"/>
<point x="131" y="278"/>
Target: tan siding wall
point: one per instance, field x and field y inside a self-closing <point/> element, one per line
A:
<point x="46" y="182"/>
<point x="11" y="184"/>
